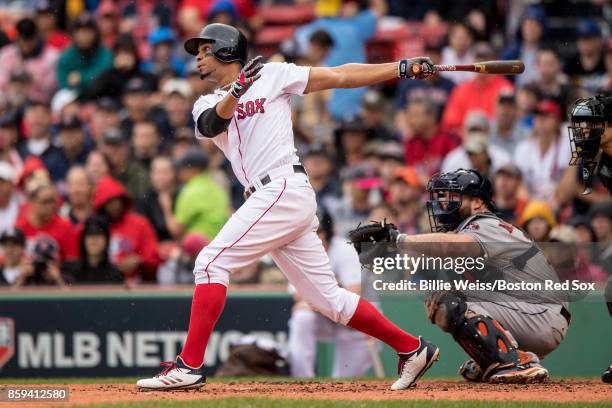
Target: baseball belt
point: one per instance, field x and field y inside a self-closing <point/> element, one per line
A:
<point x="297" y="168"/>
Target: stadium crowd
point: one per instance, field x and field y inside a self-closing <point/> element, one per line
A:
<point x="103" y="181"/>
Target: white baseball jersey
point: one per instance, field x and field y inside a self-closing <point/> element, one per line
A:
<point x="260" y="135"/>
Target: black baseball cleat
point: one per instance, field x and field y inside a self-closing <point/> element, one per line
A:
<point x="412" y="365"/>
<point x="175" y="376"/>
<point x="607" y="375"/>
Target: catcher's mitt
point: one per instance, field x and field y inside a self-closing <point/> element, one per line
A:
<point x="379" y="234"/>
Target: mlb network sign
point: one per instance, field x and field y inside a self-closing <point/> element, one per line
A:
<point x="121" y="337"/>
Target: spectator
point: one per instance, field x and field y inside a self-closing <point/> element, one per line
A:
<point x="97" y="166"/>
<point x="79" y="188"/>
<point x="93" y="266"/>
<point x="161" y="197"/>
<point x="42" y="222"/>
<point x="163" y="56"/>
<point x="29" y="53"/>
<point x="350" y="30"/>
<point x="145" y="142"/>
<point x="9" y="199"/>
<point x="552" y="82"/>
<point x="476" y="150"/>
<point x="44" y="269"/>
<point x="361" y="189"/>
<point x="320" y="166"/>
<point x="15" y="263"/>
<point x="538" y="221"/>
<point x="65" y="103"/>
<point x="313" y="122"/>
<point x="544" y="156"/>
<point x="388" y="159"/>
<point x="426" y="144"/>
<point x="405" y="198"/>
<point x="436" y="89"/>
<point x="527" y="97"/>
<point x="75" y="144"/>
<point x="133" y="244"/>
<point x="479" y="93"/>
<point x="126" y="65"/>
<point x="585" y="234"/>
<point x="459" y="51"/>
<point x="374" y="115"/>
<point x="130" y="173"/>
<point x="9" y="135"/>
<point x="104" y="116"/>
<point x="47" y="12"/>
<point x="192" y="213"/>
<point x="176" y="108"/>
<point x="508" y="199"/>
<point x="19" y="89"/>
<point x="137" y="101"/>
<point x="506" y="131"/>
<point x="37" y="122"/>
<point x="192" y="14"/>
<point x="178" y="269"/>
<point x="108" y="19"/>
<point x="83" y="61"/>
<point x="351" y="137"/>
<point x="140" y="18"/>
<point x="528" y="41"/>
<point x="587" y="67"/>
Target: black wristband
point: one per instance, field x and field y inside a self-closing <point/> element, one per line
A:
<point x="402" y="69"/>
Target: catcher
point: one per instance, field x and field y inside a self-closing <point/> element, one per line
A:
<point x="504" y="335"/>
<point x="590" y="136"/>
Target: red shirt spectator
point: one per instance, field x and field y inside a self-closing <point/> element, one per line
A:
<point x="42" y="220"/>
<point x="133" y="246"/>
<point x="192" y="14"/>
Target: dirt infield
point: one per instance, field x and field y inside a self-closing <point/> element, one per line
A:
<point x="553" y="391"/>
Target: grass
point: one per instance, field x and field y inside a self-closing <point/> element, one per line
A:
<point x="287" y="403"/>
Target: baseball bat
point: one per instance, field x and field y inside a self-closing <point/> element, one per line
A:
<point x="485" y="67"/>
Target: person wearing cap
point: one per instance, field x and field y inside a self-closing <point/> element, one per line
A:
<point x="545" y="154"/>
<point x="601" y="220"/>
<point x="133" y="243"/>
<point x="104" y="116"/>
<point x="508" y="198"/>
<point x="425" y="143"/>
<point x="320" y="168"/>
<point x="404" y="197"/>
<point x="506" y="130"/>
<point x="351" y="136"/>
<point x="538" y="220"/>
<point x="178" y="269"/>
<point x="80" y="63"/>
<point x="478" y="93"/>
<point x="476" y="152"/>
<point x="75" y="144"/>
<point x="10" y="201"/>
<point x="145" y="142"/>
<point x="30" y="53"/>
<point x="193" y="14"/>
<point x="65" y="102"/>
<point x="37" y="119"/>
<point x="373" y="112"/>
<point x="388" y="157"/>
<point x="93" y="265"/>
<point x="191" y="212"/>
<point x="176" y="107"/>
<point x="126" y="65"/>
<point x="41" y="219"/>
<point x="587" y="66"/>
<point x="436" y="89"/>
<point x="529" y="37"/>
<point x="552" y="82"/>
<point x="459" y="51"/>
<point x="136" y="98"/>
<point x="12" y="242"/>
<point x="163" y="56"/>
<point x="115" y="146"/>
<point x="47" y="12"/>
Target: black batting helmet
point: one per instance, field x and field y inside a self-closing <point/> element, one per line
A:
<point x="229" y="44"/>
<point x="446" y="193"/>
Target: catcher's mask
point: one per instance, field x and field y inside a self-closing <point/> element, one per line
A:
<point x="446" y="193"/>
<point x="587" y="126"/>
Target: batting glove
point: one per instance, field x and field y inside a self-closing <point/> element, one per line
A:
<point x="416" y="68"/>
<point x="248" y="74"/>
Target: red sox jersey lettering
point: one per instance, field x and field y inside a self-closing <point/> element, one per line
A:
<point x="250" y="108"/>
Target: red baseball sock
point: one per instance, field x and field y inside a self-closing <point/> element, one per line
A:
<point x="367" y="319"/>
<point x="206" y="307"/>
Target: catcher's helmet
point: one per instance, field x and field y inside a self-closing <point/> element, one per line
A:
<point x="446" y="193"/>
<point x="229" y="44"/>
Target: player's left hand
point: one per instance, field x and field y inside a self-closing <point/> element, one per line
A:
<point x="248" y="75"/>
<point x="424" y="66"/>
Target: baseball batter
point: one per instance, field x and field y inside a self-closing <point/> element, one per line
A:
<point x="248" y="116"/>
<point x="504" y="333"/>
